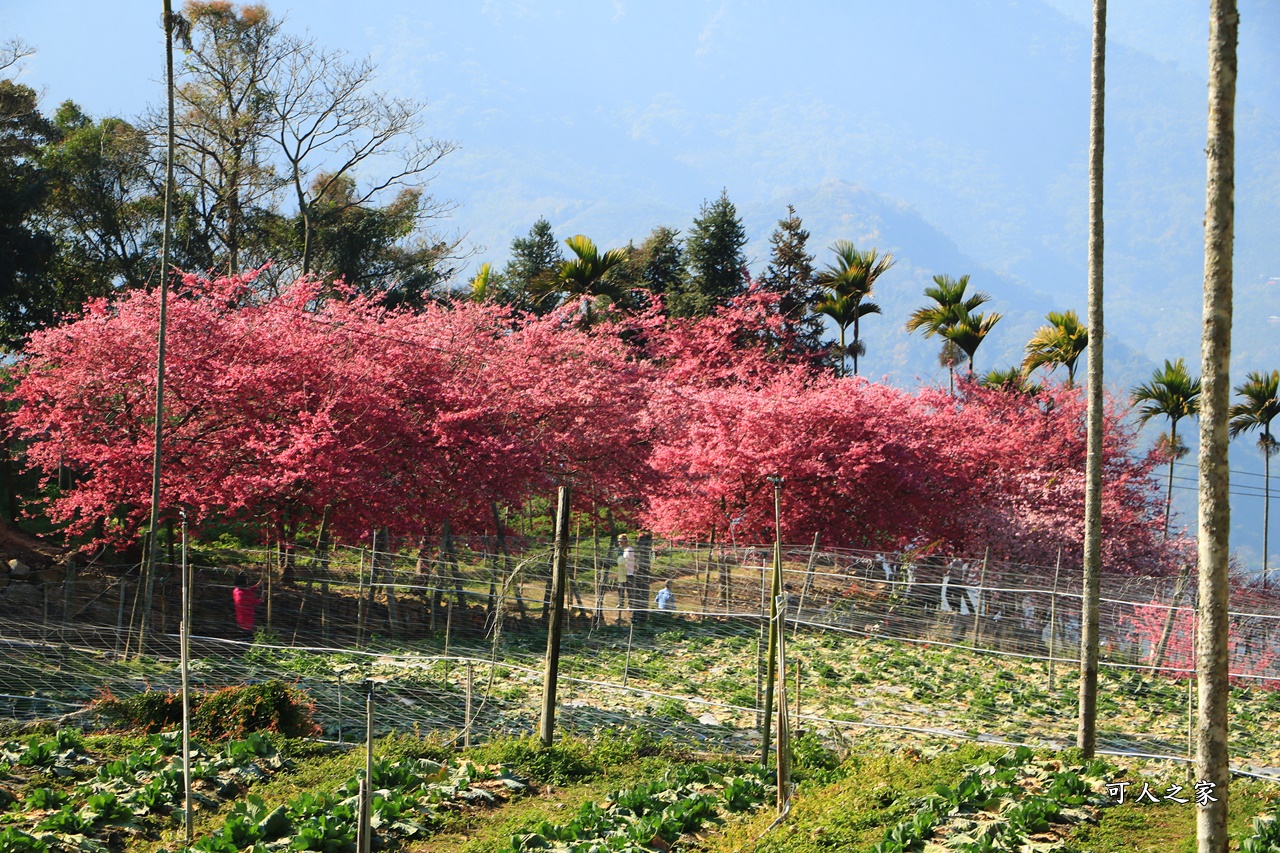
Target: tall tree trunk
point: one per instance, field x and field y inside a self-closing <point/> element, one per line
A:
<point x="506" y="556"/>
<point x="856" y="338"/>
<point x="1180" y="586"/>
<point x="1168" y="495"/>
<point x="1215" y="508"/>
<point x="1266" y="504"/>
<point x="844" y="356"/>
<point x="304" y="211"/>
<point x="1086" y="734"/>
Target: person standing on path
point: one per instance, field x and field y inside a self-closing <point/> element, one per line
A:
<point x="245" y="598"/>
<point x="627" y="583"/>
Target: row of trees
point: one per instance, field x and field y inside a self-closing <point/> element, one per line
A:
<point x="1172" y="393"/>
<point x="707" y="269"/>
<point x="280" y="408"/>
<point x="284" y="151"/>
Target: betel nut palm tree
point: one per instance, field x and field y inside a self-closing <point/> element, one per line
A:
<point x="1011" y="379"/>
<point x="951" y="302"/>
<point x="585" y="275"/>
<point x="1091" y="556"/>
<point x="1058" y="343"/>
<point x="970" y="331"/>
<point x="1258" y="407"/>
<point x="845" y="310"/>
<point x="1213" y="766"/>
<point x="849" y="284"/>
<point x="1172" y="394"/>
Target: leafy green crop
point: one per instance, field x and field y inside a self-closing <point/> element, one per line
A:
<point x="14" y="840"/>
<point x="647" y="815"/>
<point x="1265" y="838"/>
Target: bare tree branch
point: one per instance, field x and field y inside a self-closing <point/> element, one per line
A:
<point x="13" y="51"/>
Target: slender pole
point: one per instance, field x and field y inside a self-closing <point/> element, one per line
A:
<point x="156" y="458"/>
<point x="366" y="804"/>
<point x="184" y="639"/>
<point x="466" y="722"/>
<point x="1179" y="586"/>
<point x="120" y="616"/>
<point x="373" y="577"/>
<point x="761" y="639"/>
<point x="1053" y="627"/>
<point x="360" y="602"/>
<point x="1191" y="716"/>
<point x="772" y="670"/>
<point x="782" y="748"/>
<point x="804" y="592"/>
<point x="448" y="629"/>
<point x="1091" y="561"/>
<point x="598" y="618"/>
<point x="555" y="624"/>
<point x="977" y="607"/>
<point x="626" y="666"/>
<point x="797" y="691"/>
<point x="270" y="576"/>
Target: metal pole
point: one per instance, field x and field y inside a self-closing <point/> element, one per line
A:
<point x="773" y="617"/>
<point x="184" y="639"/>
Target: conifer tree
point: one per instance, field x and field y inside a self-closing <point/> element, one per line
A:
<point x="713" y="252"/>
<point x="790" y="274"/>
<point x="534" y="267"/>
<point x="655" y="267"/>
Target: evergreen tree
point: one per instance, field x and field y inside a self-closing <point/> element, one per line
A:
<point x="534" y="269"/>
<point x="654" y="268"/>
<point x="105" y="206"/>
<point x="790" y="274"/>
<point x="375" y="248"/>
<point x="26" y="251"/>
<point x="713" y="253"/>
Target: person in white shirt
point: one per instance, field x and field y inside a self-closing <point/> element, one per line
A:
<point x="666" y="599"/>
<point x="626" y="562"/>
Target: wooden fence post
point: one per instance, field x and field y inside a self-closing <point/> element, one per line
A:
<point x="555" y="624"/>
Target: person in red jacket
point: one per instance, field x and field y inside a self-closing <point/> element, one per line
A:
<point x="245" y="598"/>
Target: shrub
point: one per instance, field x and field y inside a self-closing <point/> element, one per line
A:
<point x="565" y="762"/>
<point x="150" y="712"/>
<point x="812" y="759"/>
<point x="234" y="712"/>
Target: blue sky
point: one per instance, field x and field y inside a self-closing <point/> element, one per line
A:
<point x="951" y="132"/>
<point x="577" y="110"/>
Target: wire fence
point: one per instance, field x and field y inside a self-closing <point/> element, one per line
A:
<point x="879" y="646"/>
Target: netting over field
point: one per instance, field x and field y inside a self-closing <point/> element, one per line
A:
<point x="879" y="646"/>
